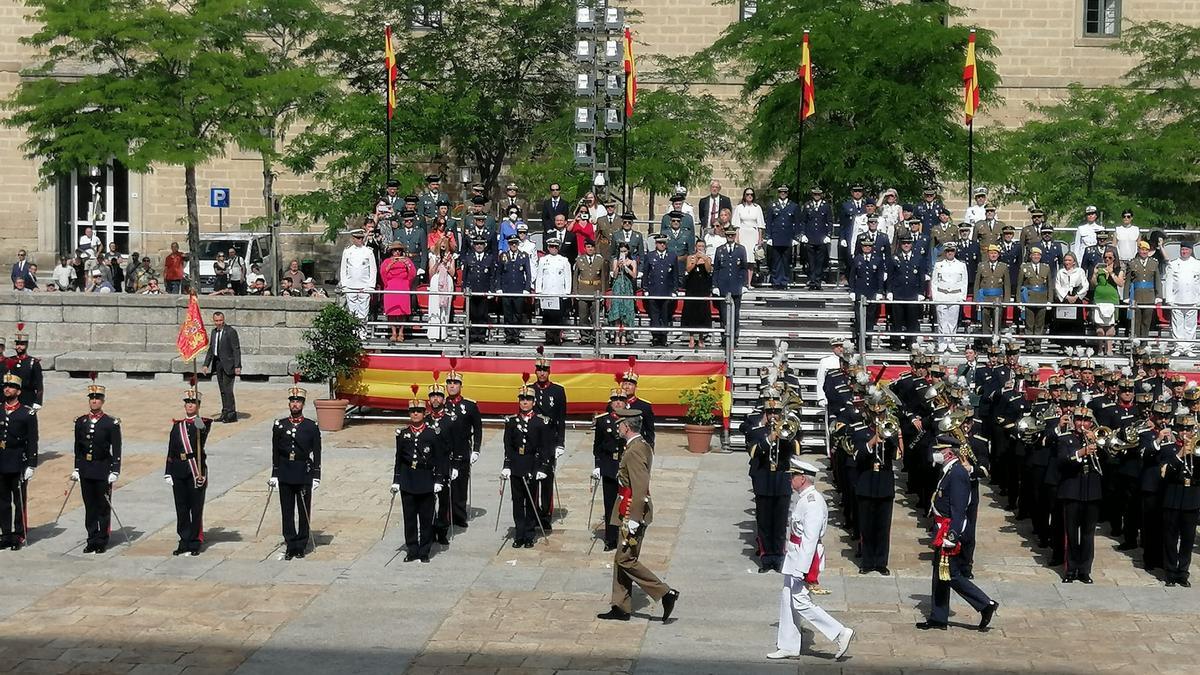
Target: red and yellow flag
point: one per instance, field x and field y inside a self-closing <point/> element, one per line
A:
<point x="192" y="339"/>
<point x="389" y="56"/>
<point x="630" y="76"/>
<point x="804" y="74"/>
<point x="970" y="81"/>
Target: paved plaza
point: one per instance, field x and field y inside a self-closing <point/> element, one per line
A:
<point x="483" y="607"/>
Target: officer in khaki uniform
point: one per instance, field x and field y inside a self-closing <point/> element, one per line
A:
<point x="1143" y="287"/>
<point x="989" y="230"/>
<point x="944" y="231"/>
<point x="1031" y="234"/>
<point x="591" y="277"/>
<point x="1034" y="284"/>
<point x="992" y="285"/>
<point x="634" y="516"/>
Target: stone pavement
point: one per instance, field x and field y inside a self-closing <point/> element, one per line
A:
<point x="484" y="607"/>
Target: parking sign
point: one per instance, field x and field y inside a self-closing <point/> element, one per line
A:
<point x="218" y="198"/>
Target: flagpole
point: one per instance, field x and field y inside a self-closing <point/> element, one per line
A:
<point x="799" y="155"/>
<point x="970" y="159"/>
<point x="625" y="163"/>
<point x="387" y="106"/>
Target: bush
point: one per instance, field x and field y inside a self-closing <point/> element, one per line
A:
<point x="334" y="346"/>
<point x="703" y="402"/>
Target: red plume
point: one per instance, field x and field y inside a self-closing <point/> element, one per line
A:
<point x="436" y="375"/>
<point x="20" y="326"/>
<point x="525" y="378"/>
<point x="296" y="377"/>
<point x="91" y="375"/>
<point x="632" y="360"/>
<point x="541" y="350"/>
<point x="193" y="380"/>
<point x="453" y="362"/>
<point x="617" y="378"/>
<point x="415" y="389"/>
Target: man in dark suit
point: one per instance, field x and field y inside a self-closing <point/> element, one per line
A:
<point x="729" y="277"/>
<point x="20" y="270"/>
<point x="710" y="206"/>
<point x="848" y="213"/>
<point x="554" y="206"/>
<point x="224" y="359"/>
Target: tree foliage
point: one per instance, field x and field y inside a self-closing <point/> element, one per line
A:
<point x="888" y="78"/>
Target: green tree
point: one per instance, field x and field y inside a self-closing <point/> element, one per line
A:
<point x="888" y="79"/>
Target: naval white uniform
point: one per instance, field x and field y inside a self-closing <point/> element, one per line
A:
<point x="804" y="560"/>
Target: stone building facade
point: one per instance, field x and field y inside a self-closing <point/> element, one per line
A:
<point x="1045" y="45"/>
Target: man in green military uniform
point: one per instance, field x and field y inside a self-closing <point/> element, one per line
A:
<point x="1143" y="287"/>
<point x="1034" y="282"/>
<point x="993" y="285"/>
<point x="591" y="278"/>
<point x="944" y="231"/>
<point x="1031" y="234"/>
<point x="989" y="230"/>
<point x="427" y="206"/>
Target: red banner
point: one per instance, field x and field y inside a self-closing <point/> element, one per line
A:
<point x="192" y="339"/>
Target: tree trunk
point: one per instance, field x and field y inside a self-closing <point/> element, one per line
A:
<point x="651" y="215"/>
<point x="193" y="219"/>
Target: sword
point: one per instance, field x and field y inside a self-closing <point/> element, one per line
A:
<point x="592" y="505"/>
<point x="394" y="556"/>
<point x="307" y="519"/>
<point x="500" y="506"/>
<point x="533" y="505"/>
<point x="21" y="484"/>
<point x="121" y="525"/>
<point x="65" y="500"/>
<point x="389" y="517"/>
<point x="557" y="496"/>
<point x="450" y="505"/>
<point x="270" y="491"/>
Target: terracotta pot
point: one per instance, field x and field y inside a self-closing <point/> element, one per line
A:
<point x="331" y="413"/>
<point x="699" y="437"/>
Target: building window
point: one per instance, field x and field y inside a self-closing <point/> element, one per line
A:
<point x="98" y="198"/>
<point x="748" y="8"/>
<point x="1101" y="18"/>
<point x="426" y="17"/>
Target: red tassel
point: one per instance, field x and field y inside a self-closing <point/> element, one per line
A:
<point x="415" y="388"/>
<point x="193" y="380"/>
<point x="617" y="378"/>
<point x="20" y="326"/>
<point x="525" y="378"/>
<point x="436" y="375"/>
<point x="453" y="362"/>
<point x="632" y="360"/>
<point x="91" y="374"/>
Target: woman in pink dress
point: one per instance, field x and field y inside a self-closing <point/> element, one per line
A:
<point x="583" y="227"/>
<point x="397" y="274"/>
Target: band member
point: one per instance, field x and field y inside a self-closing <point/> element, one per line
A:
<point x="1153" y="444"/>
<point x="635" y="513"/>
<point x="1180" y="501"/>
<point x="550" y="403"/>
<point x="874" y="491"/>
<point x="18" y="458"/>
<point x="607" y="446"/>
<point x="465" y="441"/>
<point x="26" y="367"/>
<point x="805" y="559"/>
<point x="295" y="470"/>
<point x="770" y="456"/>
<point x="97" y="466"/>
<point x="186" y="472"/>
<point x="528" y="449"/>
<point x="950" y="503"/>
<point x="629" y="384"/>
<point x="1079" y="489"/>
<point x="419" y="475"/>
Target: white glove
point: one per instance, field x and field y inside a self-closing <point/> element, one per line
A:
<point x="504" y="474"/>
<point x="889" y="296"/>
<point x="920" y="298"/>
<point x="168" y="480"/>
<point x="851" y="294"/>
<point x="804" y="239"/>
<point x="679" y="294"/>
<point x="395" y="488"/>
<point x="437" y="487"/>
<point x="879" y="296"/>
<point x="453" y="474"/>
<point x="75" y="476"/>
<point x="28" y="474"/>
<point x="717" y="292"/>
<point x="36" y="407"/>
<point x="112" y="478"/>
<point x="558" y="452"/>
<point x="1158" y="301"/>
<point x="273" y="482"/>
<point x="540" y="475"/>
<point x="316" y="484"/>
<point x="596" y="473"/>
<point x="474" y="457"/>
<point x="825" y="240"/>
<point x="633" y="526"/>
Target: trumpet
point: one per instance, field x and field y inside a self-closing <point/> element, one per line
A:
<point x="888" y="427"/>
<point x="1104" y="438"/>
<point x="787" y="426"/>
<point x="1028" y="428"/>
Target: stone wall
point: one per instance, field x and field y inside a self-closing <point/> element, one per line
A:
<point x="136" y="333"/>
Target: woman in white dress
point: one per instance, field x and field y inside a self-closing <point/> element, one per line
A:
<point x="442" y="270"/>
<point x="750" y="224"/>
<point x="889" y="213"/>
<point x="1070" y="287"/>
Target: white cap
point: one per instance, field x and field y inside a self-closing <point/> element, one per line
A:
<point x="97" y="273"/>
<point x="309" y="280"/>
<point x="796" y="465"/>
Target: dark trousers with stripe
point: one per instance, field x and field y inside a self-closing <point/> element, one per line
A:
<point x="543" y="492"/>
<point x="609" y="486"/>
<point x="1080" y="519"/>
<point x="189" y="512"/>
<point x="452" y="502"/>
<point x="418" y="522"/>
<point x="295" y="497"/>
<point x="875" y="531"/>
<point x="1179" y="537"/>
<point x="13" y="502"/>
<point x="97" y="511"/>
<point x="771" y="516"/>
<point x="959" y="583"/>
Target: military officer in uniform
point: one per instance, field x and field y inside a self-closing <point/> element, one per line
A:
<point x="427" y="206"/>
<point x="814" y="224"/>
<point x="988" y="230"/>
<point x="660" y="277"/>
<point x="1080" y="491"/>
<point x="680" y="242"/>
<point x="630" y="236"/>
<point x="591" y="282"/>
<point x="415" y="240"/>
<point x="514" y="277"/>
<point x="874" y="491"/>
<point x="635" y="513"/>
<point x="1034" y="285"/>
<point x="629" y="384"/>
<point x="770" y="457"/>
<point x="478" y="278"/>
<point x="97" y="466"/>
<point x="607" y="446"/>
<point x="186" y="471"/>
<point x="943" y="232"/>
<point x="1180" y="501"/>
<point x="968" y="251"/>
<point x="550" y="403"/>
<point x="928" y="212"/>
<point x="866" y="283"/>
<point x="464" y="442"/>
<point x="1011" y="253"/>
<point x="1031" y="234"/>
<point x="439" y="419"/>
<point x="551" y="282"/>
<point x="478" y="224"/>
<point x="420" y="472"/>
<point x="782" y="220"/>
<point x="18" y="459"/>
<point x="26" y="367"/>
<point x="295" y="471"/>
<point x="730" y="275"/>
<point x="528" y="449"/>
<point x="992" y="286"/>
<point x="1143" y="287"/>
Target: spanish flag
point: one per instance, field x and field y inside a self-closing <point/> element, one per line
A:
<point x="630" y="76"/>
<point x="970" y="81"/>
<point x="804" y="74"/>
<point x="389" y="56"/>
<point x="192" y="338"/>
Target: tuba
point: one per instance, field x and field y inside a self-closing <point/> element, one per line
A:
<point x="787" y="425"/>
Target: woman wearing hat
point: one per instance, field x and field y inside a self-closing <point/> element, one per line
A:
<point x="397" y="274"/>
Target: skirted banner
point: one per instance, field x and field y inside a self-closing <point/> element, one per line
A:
<point x="384" y="382"/>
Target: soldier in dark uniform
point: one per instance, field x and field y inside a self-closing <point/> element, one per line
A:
<point x="427" y="206"/>
<point x="18" y="459"/>
<point x="514" y="276"/>
<point x="477" y="224"/>
<point x="1150" y="449"/>
<point x="439" y="419"/>
<point x="97" y="466"/>
<point x="528" y="447"/>
<point x="928" y="212"/>
<point x="905" y="280"/>
<point x="729" y="278"/>
<point x="421" y="470"/>
<point x="464" y="442"/>
<point x="1143" y="288"/>
<point x="415" y="241"/>
<point x="630" y="236"/>
<point x="874" y="491"/>
<point x="479" y="277"/>
<point x="590" y="277"/>
<point x="1080" y="490"/>
<point x="814" y="224"/>
<point x="1180" y="501"/>
<point x="607" y="446"/>
<point x="770" y="457"/>
<point x="660" y="278"/>
<point x="550" y="403"/>
<point x="968" y="252"/>
<point x="866" y="283"/>
<point x="295" y="470"/>
<point x="1011" y="253"/>
<point x="26" y="367"/>
<point x="629" y="382"/>
<point x="186" y="471"/>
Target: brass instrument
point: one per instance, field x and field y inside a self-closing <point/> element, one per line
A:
<point x="1104" y="437"/>
<point x="889" y="426"/>
<point x="786" y="426"/>
<point x="1029" y="427"/>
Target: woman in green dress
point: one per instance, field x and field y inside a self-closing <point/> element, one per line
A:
<point x="623" y="273"/>
<point x="1107" y="279"/>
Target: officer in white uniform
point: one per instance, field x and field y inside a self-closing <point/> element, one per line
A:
<point x="551" y="282"/>
<point x="358" y="275"/>
<point x="976" y="212"/>
<point x="805" y="559"/>
<point x="948" y="284"/>
<point x="1182" y="284"/>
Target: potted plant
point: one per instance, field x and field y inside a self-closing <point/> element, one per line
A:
<point x="703" y="404"/>
<point x="334" y="353"/>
